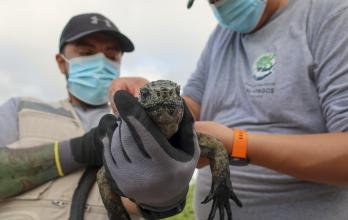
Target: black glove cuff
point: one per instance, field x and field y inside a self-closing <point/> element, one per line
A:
<point x="84" y="149"/>
<point x="152" y="215"/>
<point x="184" y="138"/>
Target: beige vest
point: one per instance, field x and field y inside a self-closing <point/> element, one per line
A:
<point x="41" y="123"/>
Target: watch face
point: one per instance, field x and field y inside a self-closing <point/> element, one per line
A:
<point x="235" y="161"/>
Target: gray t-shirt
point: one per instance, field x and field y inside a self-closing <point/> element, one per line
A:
<point x="289" y="77"/>
<point x="9" y="119"/>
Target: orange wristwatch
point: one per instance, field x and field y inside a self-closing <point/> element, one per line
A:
<point x="238" y="155"/>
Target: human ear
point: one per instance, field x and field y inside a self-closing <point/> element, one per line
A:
<point x="62" y="64"/>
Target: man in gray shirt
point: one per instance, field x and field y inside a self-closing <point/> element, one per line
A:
<point x="286" y="79"/>
<point x="278" y="71"/>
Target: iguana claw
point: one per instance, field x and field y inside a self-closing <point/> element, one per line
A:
<point x="220" y="193"/>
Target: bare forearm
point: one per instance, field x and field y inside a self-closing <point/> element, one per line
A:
<point x="194" y="107"/>
<point x="321" y="158"/>
<point x="24" y="169"/>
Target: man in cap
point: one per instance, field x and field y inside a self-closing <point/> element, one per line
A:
<point x="282" y="75"/>
<point x="91" y="49"/>
<point x="41" y="141"/>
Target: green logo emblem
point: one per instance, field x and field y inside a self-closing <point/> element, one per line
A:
<point x="264" y="66"/>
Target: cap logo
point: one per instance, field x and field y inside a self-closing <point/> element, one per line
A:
<point x="96" y="20"/>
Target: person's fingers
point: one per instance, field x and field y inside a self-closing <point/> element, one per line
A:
<point x="116" y="85"/>
<point x="130" y="84"/>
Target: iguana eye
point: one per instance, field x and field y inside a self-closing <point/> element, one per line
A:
<point x="144" y="93"/>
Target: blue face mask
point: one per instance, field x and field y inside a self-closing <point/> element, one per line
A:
<point x="90" y="77"/>
<point x="239" y="15"/>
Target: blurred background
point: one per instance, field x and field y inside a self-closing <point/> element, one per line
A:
<point x="168" y="39"/>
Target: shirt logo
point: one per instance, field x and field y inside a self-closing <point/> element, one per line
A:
<point x="264" y="66"/>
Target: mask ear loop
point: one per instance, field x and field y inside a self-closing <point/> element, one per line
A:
<point x="64" y="58"/>
<point x="217" y="2"/>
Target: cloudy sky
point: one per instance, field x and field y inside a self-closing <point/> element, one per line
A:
<point x="168" y="40"/>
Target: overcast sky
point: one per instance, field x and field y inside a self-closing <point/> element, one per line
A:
<point x="168" y="39"/>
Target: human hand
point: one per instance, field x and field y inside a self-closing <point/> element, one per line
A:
<point x="88" y="149"/>
<point x="144" y="165"/>
<point x="130" y="84"/>
<point x="213" y="138"/>
<point x="217" y="130"/>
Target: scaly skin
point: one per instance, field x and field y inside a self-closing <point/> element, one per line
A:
<point x="161" y="100"/>
<point x="111" y="200"/>
<point x="24" y="169"/>
<point x="221" y="189"/>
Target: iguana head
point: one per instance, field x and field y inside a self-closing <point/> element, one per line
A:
<point x="162" y="101"/>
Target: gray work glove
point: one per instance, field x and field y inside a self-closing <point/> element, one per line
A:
<point x="145" y="166"/>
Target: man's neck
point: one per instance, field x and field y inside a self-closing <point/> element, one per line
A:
<point x="271" y="8"/>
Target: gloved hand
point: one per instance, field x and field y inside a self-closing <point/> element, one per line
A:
<point x="145" y="166"/>
<point x="87" y="150"/>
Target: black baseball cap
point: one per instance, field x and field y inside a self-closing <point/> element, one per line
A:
<point x="85" y="24"/>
